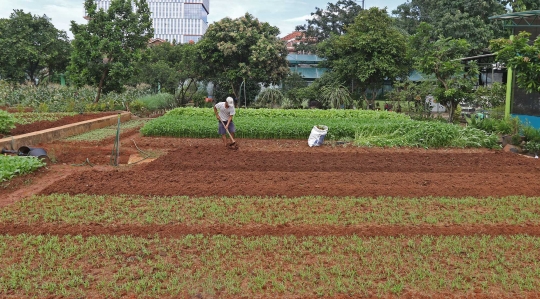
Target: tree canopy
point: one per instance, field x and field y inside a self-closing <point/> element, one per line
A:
<point x="31" y="48"/>
<point x="371" y="51"/>
<point x="457" y="19"/>
<point x="241" y="49"/>
<point x="107" y="48"/>
<point x="455" y="80"/>
<point x="169" y="66"/>
<point x="157" y="68"/>
<point x="333" y="20"/>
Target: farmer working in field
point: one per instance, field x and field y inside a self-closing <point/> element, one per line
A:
<point x="224" y="113"/>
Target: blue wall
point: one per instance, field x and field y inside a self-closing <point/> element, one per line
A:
<point x="528" y="119"/>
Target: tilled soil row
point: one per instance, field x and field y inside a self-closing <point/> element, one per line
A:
<point x="204" y="170"/>
<point x="176" y="231"/>
<point x="295" y="184"/>
<point x="209" y="158"/>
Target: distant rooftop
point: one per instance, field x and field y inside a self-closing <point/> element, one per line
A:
<point x="517" y="15"/>
<point x="295" y="59"/>
<point x="523" y="19"/>
<point x="293" y="36"/>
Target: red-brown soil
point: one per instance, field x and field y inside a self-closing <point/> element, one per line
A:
<point x="290" y="168"/>
<point x="16" y="109"/>
<point x="46" y="124"/>
<point x="204" y="167"/>
<point x="179" y="230"/>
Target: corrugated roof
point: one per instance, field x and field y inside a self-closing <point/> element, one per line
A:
<point x="517" y="15"/>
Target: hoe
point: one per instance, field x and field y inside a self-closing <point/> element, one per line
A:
<point x="233" y="144"/>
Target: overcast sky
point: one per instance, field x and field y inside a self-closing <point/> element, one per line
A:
<point x="285" y="14"/>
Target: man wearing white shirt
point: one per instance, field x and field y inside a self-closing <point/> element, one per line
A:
<point x="224" y="112"/>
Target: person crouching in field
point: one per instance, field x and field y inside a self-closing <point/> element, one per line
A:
<point x="224" y="113"/>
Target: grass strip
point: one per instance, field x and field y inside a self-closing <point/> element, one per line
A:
<point x="24" y="118"/>
<point x="238" y="211"/>
<point x="103" y="133"/>
<point x="195" y="265"/>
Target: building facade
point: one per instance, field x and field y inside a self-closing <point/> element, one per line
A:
<point x="182" y="21"/>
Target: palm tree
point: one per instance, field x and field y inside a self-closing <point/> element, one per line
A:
<point x="336" y="96"/>
<point x="270" y="97"/>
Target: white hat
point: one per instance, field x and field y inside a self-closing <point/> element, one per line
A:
<point x="230" y="101"/>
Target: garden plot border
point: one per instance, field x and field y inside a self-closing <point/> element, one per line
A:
<point x="44" y="136"/>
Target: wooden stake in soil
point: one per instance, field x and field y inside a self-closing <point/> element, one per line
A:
<point x="116" y="148"/>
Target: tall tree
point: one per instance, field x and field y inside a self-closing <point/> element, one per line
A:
<point x="243" y="49"/>
<point x="31" y="48"/>
<point x="325" y="22"/>
<point x="457" y="19"/>
<point x="455" y="80"/>
<point x="157" y="68"/>
<point x="169" y="66"/>
<point x="190" y="68"/>
<point x="407" y="17"/>
<point x="107" y="48"/>
<point x="371" y="51"/>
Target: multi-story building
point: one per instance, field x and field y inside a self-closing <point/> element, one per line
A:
<point x="182" y="21"/>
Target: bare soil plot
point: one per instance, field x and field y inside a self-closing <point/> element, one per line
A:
<point x="203" y="167"/>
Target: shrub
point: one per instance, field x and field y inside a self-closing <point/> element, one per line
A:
<point x="492" y="125"/>
<point x="457" y="114"/>
<point x="269" y="98"/>
<point x="516" y="140"/>
<point x="151" y="103"/>
<point x="531" y="134"/>
<point x="137" y="107"/>
<point x="532" y="147"/>
<point x="160" y="101"/>
<point x="7" y="122"/>
<point x="57" y="98"/>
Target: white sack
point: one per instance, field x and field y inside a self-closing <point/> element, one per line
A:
<point x="316" y="138"/>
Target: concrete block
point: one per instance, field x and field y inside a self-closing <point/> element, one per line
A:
<point x="49" y="135"/>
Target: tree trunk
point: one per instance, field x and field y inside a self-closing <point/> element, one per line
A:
<point x="451" y="116"/>
<point x="105" y="72"/>
<point x="234" y="89"/>
<point x="32" y="73"/>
